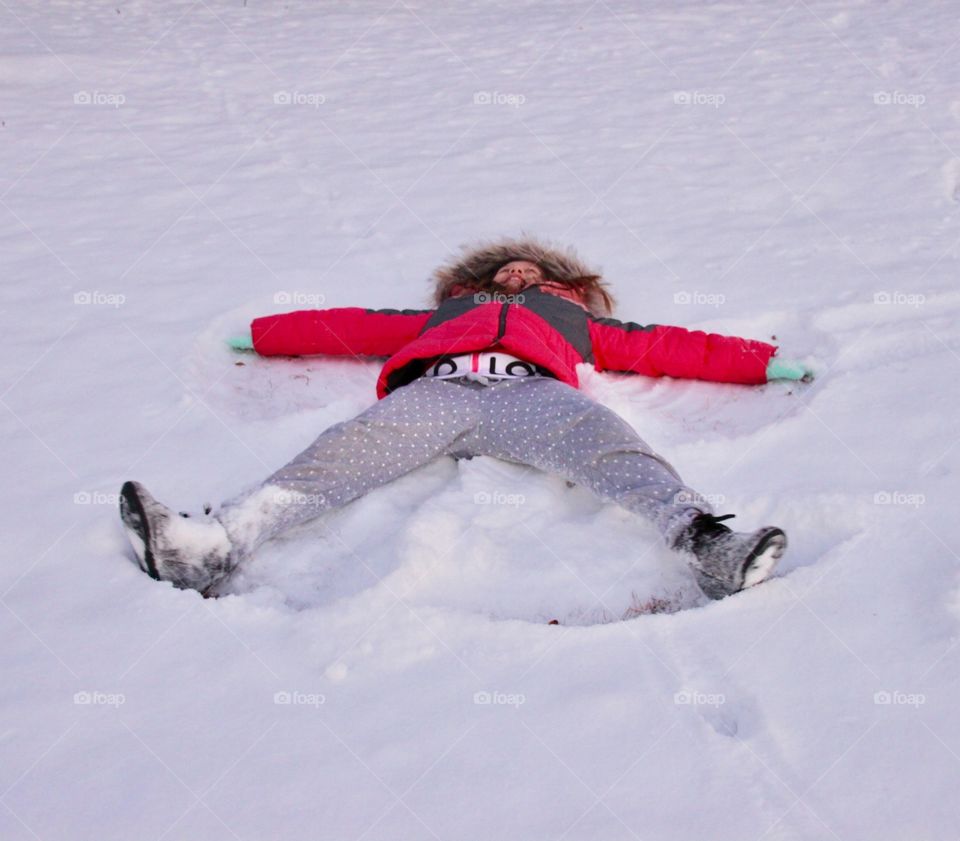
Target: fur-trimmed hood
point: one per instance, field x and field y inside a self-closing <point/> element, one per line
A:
<point x="473" y="270"/>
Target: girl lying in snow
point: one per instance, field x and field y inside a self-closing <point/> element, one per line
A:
<point x="491" y="370"/>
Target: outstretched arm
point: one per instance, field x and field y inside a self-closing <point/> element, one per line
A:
<point x="657" y="350"/>
<point x="351" y="331"/>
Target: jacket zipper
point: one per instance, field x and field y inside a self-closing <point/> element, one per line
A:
<point x="502" y="328"/>
<point x="501" y="325"/>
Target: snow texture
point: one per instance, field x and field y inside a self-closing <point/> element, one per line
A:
<point x="170" y="170"/>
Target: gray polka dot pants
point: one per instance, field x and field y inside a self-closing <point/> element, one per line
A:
<point x="536" y="421"/>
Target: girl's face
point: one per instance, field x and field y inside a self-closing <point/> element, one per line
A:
<point x="518" y="275"/>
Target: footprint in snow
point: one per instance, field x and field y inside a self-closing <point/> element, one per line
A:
<point x="721" y="718"/>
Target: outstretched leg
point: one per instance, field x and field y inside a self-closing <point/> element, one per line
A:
<point x="403" y="431"/>
<point x="550" y="425"/>
<point x="399" y="433"/>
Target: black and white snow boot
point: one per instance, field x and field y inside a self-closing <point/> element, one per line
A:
<point x="726" y="561"/>
<point x="191" y="553"/>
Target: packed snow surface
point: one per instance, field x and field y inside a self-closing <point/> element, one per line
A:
<point x="170" y="170"/>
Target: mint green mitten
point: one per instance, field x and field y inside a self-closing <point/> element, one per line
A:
<point x="786" y="369"/>
<point x="241" y="342"/>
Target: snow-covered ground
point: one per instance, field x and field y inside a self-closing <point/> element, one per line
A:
<point x="170" y="169"/>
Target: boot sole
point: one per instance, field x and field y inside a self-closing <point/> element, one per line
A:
<point x="138" y="528"/>
<point x="761" y="562"/>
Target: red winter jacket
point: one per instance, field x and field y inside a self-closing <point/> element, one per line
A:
<point x="537" y="326"/>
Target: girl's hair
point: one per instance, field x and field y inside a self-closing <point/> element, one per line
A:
<point x="564" y="272"/>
